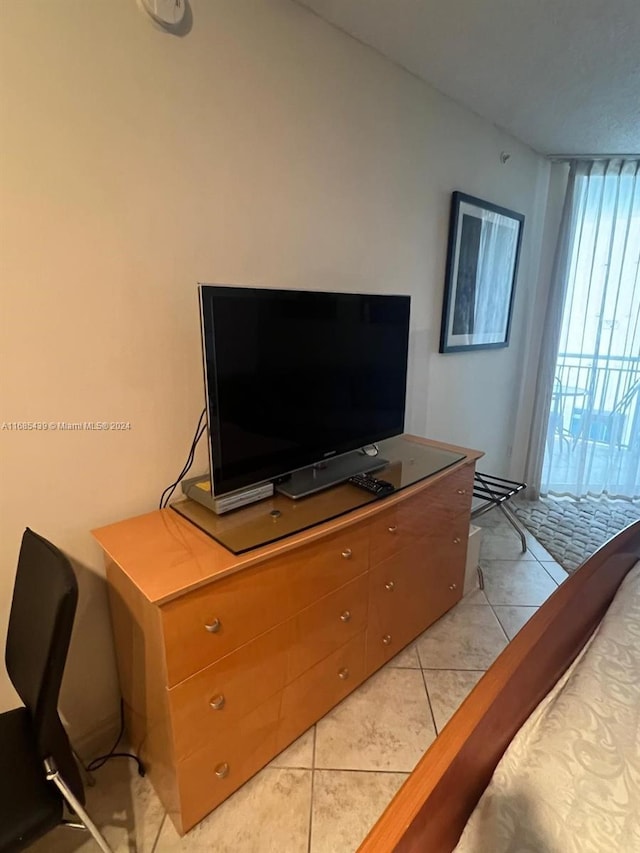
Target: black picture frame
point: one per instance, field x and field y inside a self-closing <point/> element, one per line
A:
<point x="480" y="281"/>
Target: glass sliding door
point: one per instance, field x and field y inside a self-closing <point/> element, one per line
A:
<point x="593" y="435"/>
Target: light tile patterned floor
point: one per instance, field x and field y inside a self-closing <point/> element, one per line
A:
<point x="324" y="792"/>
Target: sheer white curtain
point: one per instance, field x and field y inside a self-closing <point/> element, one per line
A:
<point x="592" y="437"/>
<point x="550" y="340"/>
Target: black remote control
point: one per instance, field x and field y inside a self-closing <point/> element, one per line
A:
<point x="372" y="484"/>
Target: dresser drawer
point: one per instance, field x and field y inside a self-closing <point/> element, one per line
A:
<point x="396" y="603"/>
<point x="319" y="689"/>
<point x="410" y="591"/>
<point x="207" y="624"/>
<point x="421" y="514"/>
<point x="210" y="703"/>
<point x="327" y="625"/>
<point x="211" y="774"/>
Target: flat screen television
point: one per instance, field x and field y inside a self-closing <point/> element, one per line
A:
<point x="297" y="378"/>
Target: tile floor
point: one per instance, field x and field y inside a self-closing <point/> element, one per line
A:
<point x="324" y="792"/>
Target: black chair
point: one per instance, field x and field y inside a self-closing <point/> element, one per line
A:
<point x="38" y="772"/>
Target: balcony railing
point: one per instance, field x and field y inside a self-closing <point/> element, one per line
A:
<point x="597" y="399"/>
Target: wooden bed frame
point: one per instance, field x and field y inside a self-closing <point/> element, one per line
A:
<point x="431" y="809"/>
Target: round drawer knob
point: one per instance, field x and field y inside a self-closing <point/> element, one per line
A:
<point x="390" y="585"/>
<point x="393" y="528"/>
<point x="217" y="702"/>
<point x="213" y="626"/>
<point x="387" y="639"/>
<point x="343" y="674"/>
<point x="222" y="770"/>
<point x="456" y="541"/>
<point x="453" y="586"/>
<point x="347" y="553"/>
<point x="346" y="616"/>
<point x="461" y="491"/>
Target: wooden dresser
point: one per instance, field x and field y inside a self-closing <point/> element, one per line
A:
<point x="225" y="659"/>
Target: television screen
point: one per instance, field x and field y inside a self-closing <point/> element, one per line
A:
<point x="296" y="377"/>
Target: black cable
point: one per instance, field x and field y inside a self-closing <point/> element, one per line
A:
<point x="171" y="489"/>
<point x="200" y="428"/>
<point x="198" y="434"/>
<point x="101" y="760"/>
<point x="164" y="501"/>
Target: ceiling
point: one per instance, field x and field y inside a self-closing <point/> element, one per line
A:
<point x="561" y="75"/>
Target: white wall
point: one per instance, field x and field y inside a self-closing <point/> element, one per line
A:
<point x="263" y="147"/>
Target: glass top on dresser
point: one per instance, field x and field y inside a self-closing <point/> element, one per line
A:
<point x="240" y="530"/>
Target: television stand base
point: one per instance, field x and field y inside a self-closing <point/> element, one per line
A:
<point x="307" y="481"/>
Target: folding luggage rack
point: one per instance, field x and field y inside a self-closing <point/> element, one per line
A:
<point x="496" y="491"/>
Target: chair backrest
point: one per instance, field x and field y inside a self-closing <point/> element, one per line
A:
<point x="625" y="401"/>
<point x="43" y="608"/>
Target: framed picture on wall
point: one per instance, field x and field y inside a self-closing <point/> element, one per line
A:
<point x="482" y="266"/>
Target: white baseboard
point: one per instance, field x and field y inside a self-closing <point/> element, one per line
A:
<point x="98" y="740"/>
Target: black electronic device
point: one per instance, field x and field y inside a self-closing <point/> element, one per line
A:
<point x="372" y="484"/>
<point x="298" y="380"/>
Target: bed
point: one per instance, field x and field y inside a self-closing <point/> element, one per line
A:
<point x="565" y="672"/>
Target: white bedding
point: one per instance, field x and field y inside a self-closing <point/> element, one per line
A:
<point x="570" y="779"/>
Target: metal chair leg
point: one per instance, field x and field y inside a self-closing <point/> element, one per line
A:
<point x="54" y="776"/>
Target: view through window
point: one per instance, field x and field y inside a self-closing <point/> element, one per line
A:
<point x="593" y="436"/>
